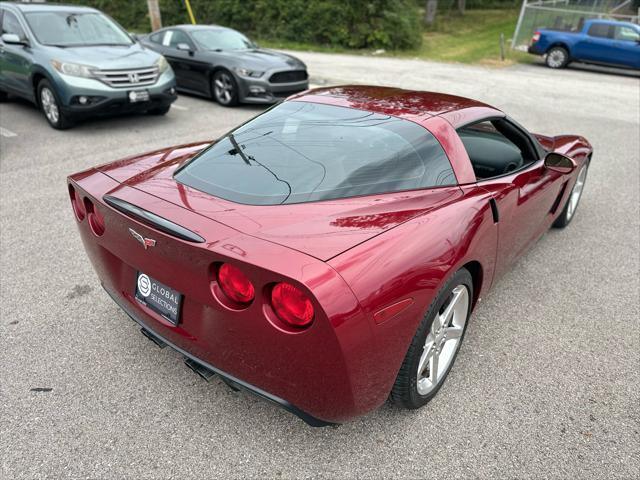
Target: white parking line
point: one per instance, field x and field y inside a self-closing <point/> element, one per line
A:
<point x="7" y="133"/>
<point x="179" y="107"/>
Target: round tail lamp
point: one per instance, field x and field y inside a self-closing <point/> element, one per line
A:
<point x="235" y="284"/>
<point x="94" y="217"/>
<point x="292" y="305"/>
<point x="76" y="204"/>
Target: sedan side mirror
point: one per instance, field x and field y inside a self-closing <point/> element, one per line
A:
<point x="184" y="47"/>
<point x="13" y="39"/>
<point x="557" y="162"/>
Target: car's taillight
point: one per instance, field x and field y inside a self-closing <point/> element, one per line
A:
<point x="291" y="305"/>
<point x="235" y="284"/>
<point x="76" y="203"/>
<point x="536" y="37"/>
<point x="94" y="217"/>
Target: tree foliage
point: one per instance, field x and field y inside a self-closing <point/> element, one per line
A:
<point x="390" y="24"/>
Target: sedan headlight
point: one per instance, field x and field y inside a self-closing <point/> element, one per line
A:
<point x="245" y="72"/>
<point x="162" y="64"/>
<point x="73" y="69"/>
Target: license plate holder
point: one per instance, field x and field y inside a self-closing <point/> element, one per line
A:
<point x="157" y="296"/>
<point x="136" y="96"/>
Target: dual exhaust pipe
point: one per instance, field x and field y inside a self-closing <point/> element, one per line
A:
<point x="201" y="370"/>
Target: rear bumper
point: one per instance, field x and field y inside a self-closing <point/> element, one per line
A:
<point x="535" y="50"/>
<point x="229" y="379"/>
<point x="325" y="374"/>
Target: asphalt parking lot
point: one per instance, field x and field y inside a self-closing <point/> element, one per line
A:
<point x="546" y="384"/>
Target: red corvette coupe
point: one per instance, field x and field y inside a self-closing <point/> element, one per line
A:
<point x="327" y="254"/>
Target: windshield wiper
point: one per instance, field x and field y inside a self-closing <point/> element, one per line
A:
<point x="237" y="149"/>
<point x="108" y="44"/>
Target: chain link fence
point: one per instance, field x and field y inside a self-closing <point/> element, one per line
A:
<point x="567" y="15"/>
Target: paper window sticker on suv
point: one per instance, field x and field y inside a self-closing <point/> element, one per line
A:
<point x="167" y="38"/>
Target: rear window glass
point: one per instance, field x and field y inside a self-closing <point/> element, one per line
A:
<point x="303" y="152"/>
<point x="599" y="30"/>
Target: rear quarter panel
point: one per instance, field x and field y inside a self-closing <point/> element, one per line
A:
<point x="549" y="38"/>
<point x="413" y="261"/>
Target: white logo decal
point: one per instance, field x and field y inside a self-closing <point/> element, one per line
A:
<point x="144" y="285"/>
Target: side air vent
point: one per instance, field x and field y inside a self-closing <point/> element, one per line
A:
<point x="494" y="210"/>
<point x="556" y="203"/>
<point x="153" y="220"/>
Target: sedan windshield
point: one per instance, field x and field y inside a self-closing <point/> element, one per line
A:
<point x="303" y="152"/>
<point x="66" y="29"/>
<point x="221" y="39"/>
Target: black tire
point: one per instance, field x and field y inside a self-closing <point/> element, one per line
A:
<point x="159" y="110"/>
<point x="405" y="390"/>
<point x="568" y="212"/>
<point x="3" y="96"/>
<point x="57" y="120"/>
<point x="557" y="57"/>
<point x="224" y="88"/>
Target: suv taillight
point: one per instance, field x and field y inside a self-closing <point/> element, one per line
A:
<point x="536" y="37"/>
<point x="235" y="284"/>
<point x="292" y="305"/>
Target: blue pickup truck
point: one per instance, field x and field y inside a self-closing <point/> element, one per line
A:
<point x="606" y="42"/>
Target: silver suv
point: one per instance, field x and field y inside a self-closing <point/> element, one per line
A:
<point x="75" y="62"/>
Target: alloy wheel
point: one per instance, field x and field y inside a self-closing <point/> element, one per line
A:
<point x="49" y="105"/>
<point x="224" y="88"/>
<point x="556" y="58"/>
<point x="576" y="193"/>
<point x="442" y="340"/>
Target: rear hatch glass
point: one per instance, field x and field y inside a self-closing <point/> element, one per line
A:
<point x="301" y="152"/>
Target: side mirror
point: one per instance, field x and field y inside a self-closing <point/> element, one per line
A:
<point x="184" y="47"/>
<point x="557" y="162"/>
<point x="12" y="39"/>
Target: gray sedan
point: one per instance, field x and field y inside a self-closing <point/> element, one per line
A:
<point x="222" y="63"/>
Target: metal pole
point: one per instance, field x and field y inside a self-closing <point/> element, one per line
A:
<point x="191" y="17"/>
<point x="502" y="47"/>
<point x="154" y="14"/>
<point x="515" y="34"/>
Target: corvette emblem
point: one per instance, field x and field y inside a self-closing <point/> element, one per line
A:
<point x="146" y="242"/>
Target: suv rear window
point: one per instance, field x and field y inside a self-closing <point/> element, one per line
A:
<point x="302" y="152"/>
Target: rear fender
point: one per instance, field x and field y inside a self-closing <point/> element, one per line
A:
<point x="573" y="146"/>
<point x="413" y="261"/>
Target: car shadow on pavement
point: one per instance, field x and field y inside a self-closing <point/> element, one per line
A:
<point x="243" y="106"/>
<point x="600" y="69"/>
